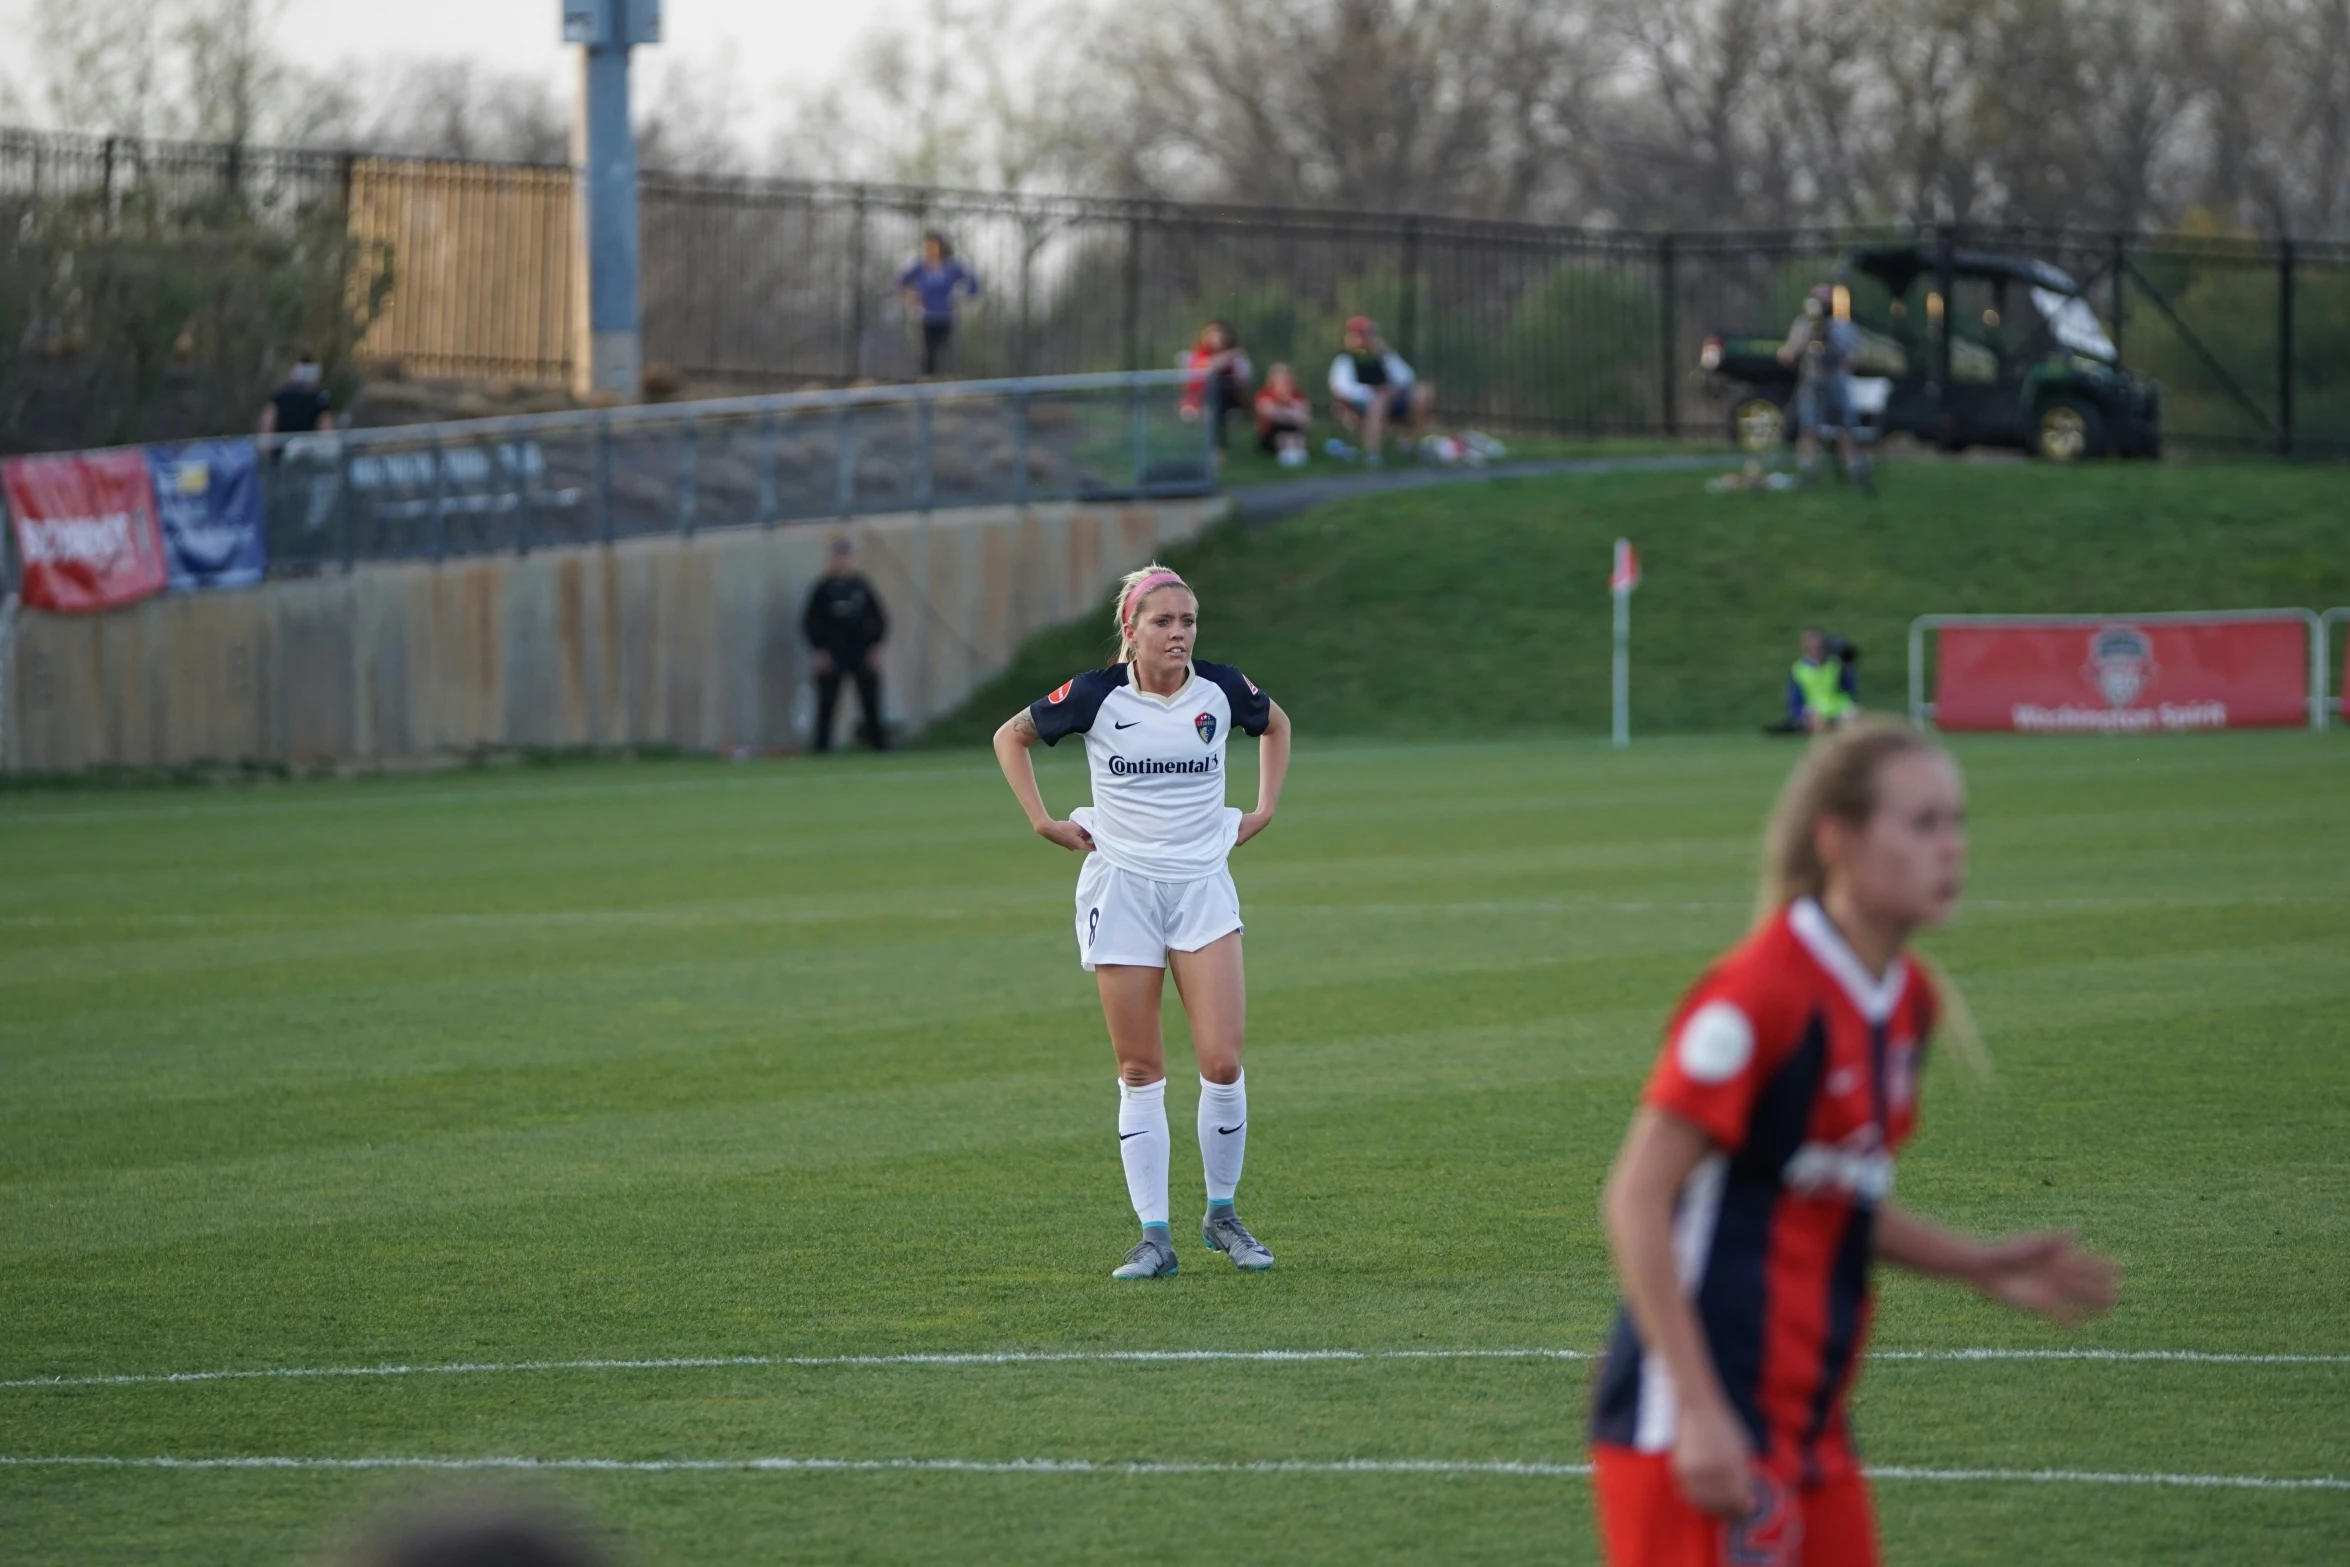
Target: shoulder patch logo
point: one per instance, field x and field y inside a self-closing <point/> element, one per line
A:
<point x="1205" y="723"/>
<point x="1715" y="1043"/>
<point x="1252" y="686"/>
<point x="1058" y="696"/>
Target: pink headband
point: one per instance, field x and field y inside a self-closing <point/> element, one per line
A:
<point x="1148" y="585"/>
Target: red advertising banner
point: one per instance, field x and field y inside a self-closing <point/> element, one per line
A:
<point x="85" y="529"/>
<point x="2123" y="676"/>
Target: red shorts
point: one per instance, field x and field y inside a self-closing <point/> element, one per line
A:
<point x="1645" y="1522"/>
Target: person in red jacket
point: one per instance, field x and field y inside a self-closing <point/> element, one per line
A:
<point x="1752" y="1200"/>
<point x="1284" y="417"/>
<point x="1220" y="374"/>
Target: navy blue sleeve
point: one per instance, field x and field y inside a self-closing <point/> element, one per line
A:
<point x="1252" y="710"/>
<point x="1071" y="710"/>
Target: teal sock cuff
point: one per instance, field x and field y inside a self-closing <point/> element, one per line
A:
<point x="1161" y="1228"/>
<point x="1219" y="1205"/>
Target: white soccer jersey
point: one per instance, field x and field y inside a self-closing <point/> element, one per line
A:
<point x="1158" y="764"/>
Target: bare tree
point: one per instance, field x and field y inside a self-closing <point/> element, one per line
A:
<point x="693" y="118"/>
<point x="99" y="64"/>
<point x="234" y="86"/>
<point x="976" y="93"/>
<point x="2282" y="113"/>
<point x="452" y="108"/>
<point x="1431" y="105"/>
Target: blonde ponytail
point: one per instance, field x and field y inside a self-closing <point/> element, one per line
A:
<point x="1838" y="777"/>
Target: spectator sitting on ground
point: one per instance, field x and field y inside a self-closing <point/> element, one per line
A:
<point x="1823" y="690"/>
<point x="1372" y="388"/>
<point x="300" y="406"/>
<point x="930" y="285"/>
<point x="1220" y="374"/>
<point x="1283" y="417"/>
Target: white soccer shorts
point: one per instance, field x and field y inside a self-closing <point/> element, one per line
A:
<point x="1125" y="918"/>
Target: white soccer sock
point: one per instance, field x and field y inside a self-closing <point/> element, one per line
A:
<point x="1145" y="1146"/>
<point x="1223" y="1134"/>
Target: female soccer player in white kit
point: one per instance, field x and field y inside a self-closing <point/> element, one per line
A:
<point x="1155" y="892"/>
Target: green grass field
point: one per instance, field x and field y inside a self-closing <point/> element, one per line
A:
<point x="686" y="1060"/>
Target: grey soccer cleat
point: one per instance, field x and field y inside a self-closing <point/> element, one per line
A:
<point x="1150" y="1259"/>
<point x="1224" y="1232"/>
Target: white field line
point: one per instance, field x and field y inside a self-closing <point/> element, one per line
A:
<point x="1021" y="1357"/>
<point x="1087" y="1466"/>
<point x="705" y="915"/>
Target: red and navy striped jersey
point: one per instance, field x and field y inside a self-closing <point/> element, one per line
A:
<point x="1803" y="1069"/>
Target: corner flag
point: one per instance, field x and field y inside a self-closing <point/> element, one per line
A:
<point x="1626" y="574"/>
<point x="1621" y="580"/>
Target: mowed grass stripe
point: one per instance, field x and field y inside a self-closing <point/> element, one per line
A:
<point x="1121" y="1357"/>
<point x="1137" y="1468"/>
<point x="567" y="1067"/>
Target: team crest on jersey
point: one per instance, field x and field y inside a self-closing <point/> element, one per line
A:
<point x="1206" y="725"/>
<point x="1056" y="697"/>
<point x="1901" y="1072"/>
<point x="2121" y="664"/>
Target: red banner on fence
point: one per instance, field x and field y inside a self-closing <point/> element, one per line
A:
<point x="2123" y="677"/>
<point x="85" y="529"/>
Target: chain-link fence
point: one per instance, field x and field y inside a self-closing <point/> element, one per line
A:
<point x="777" y="282"/>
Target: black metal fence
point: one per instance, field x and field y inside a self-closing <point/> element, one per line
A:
<point x="774" y="282"/>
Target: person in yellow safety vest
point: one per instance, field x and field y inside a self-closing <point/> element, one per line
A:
<point x="1821" y="689"/>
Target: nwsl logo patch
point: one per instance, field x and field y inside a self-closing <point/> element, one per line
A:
<point x="1061" y="695"/>
<point x="1205" y="723"/>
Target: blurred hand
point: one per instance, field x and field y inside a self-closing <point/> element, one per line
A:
<point x="1252" y="823"/>
<point x="1713" y="1462"/>
<point x="873" y="656"/>
<point x="1068" y="835"/>
<point x="2049" y="1275"/>
<point x="1187" y="413"/>
<point x="823" y="662"/>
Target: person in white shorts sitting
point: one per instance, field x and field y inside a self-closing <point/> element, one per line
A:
<point x="1155" y="892"/>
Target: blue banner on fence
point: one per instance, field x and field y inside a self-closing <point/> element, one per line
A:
<point x="208" y="498"/>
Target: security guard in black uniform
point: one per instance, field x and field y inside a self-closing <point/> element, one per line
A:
<point x="846" y="625"/>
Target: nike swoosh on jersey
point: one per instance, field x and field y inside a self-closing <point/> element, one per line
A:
<point x="1129" y="724"/>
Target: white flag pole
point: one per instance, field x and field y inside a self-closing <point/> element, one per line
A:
<point x="1620" y="583"/>
<point x="1623" y="597"/>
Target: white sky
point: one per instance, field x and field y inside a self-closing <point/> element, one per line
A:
<point x="771" y="42"/>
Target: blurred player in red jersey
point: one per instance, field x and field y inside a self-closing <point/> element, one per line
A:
<point x="1753" y="1195"/>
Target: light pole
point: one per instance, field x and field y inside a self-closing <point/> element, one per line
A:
<point x="607" y="350"/>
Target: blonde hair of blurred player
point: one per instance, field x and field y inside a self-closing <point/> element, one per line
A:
<point x="1840" y="779"/>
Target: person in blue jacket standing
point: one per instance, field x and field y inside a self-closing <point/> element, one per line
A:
<point x="930" y="285"/>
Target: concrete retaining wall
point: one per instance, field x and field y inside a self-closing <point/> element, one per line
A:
<point x="692" y="642"/>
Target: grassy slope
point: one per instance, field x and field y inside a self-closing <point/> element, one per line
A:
<point x="699" y="1060"/>
<point x="1469" y="610"/>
